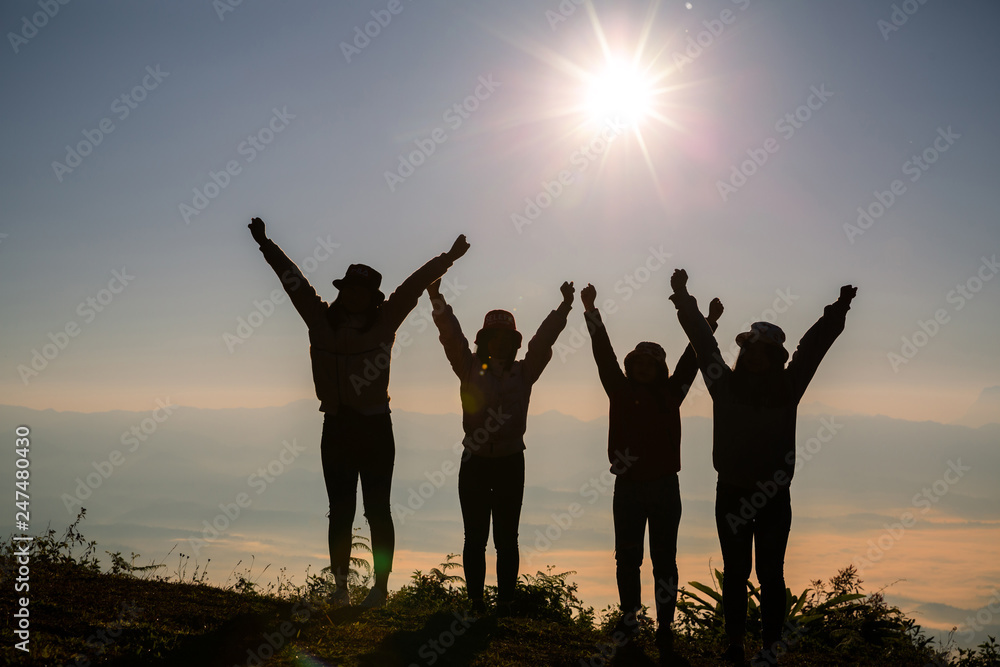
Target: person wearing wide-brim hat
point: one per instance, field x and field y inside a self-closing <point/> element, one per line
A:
<point x="351" y="348"/>
<point x="495" y="389"/>
<point x="753" y="449"/>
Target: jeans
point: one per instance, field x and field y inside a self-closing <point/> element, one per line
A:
<point x="356" y="445"/>
<point x="491" y="486"/>
<point x="635" y="503"/>
<point x="746" y="519"/>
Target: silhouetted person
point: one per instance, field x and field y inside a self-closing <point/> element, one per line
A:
<point x="495" y="390"/>
<point x="644" y="448"/>
<point x="754" y="406"/>
<point x="348" y="339"/>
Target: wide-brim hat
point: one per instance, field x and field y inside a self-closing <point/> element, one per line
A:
<point x="762" y="332"/>
<point x="496" y="321"/>
<point x="362" y="275"/>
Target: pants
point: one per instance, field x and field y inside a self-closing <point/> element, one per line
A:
<point x="356" y="445"/>
<point x="657" y="502"/>
<point x="491" y="486"/>
<point x="747" y="518"/>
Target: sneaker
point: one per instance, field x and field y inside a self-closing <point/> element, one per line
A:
<point x="339" y="598"/>
<point x="376" y="599"/>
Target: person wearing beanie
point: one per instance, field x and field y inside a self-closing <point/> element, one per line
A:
<point x="495" y="389"/>
<point x="348" y="338"/>
<point x="753" y="450"/>
<point x="644" y="449"/>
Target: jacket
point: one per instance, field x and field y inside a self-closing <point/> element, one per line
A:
<point x="495" y="408"/>
<point x="644" y="425"/>
<point x="350" y="367"/>
<point x="753" y="441"/>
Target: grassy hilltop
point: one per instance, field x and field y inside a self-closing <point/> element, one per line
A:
<point x="129" y="614"/>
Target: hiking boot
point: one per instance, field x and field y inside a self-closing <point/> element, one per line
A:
<point x="376" y="599"/>
<point x="339" y="598"/>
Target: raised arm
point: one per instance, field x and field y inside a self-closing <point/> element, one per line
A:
<point x="687" y="366"/>
<point x="608" y="369"/>
<point x="302" y="295"/>
<point x="456" y="346"/>
<point x="404" y="298"/>
<point x="815" y="343"/>
<point x="540" y="347"/>
<point x="699" y="332"/>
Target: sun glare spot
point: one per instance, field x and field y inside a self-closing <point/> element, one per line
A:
<point x="620" y="93"/>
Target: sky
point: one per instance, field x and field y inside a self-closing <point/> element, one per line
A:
<point x="774" y="150"/>
<point x="310" y="114"/>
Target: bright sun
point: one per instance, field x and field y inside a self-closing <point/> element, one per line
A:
<point x="621" y="92"/>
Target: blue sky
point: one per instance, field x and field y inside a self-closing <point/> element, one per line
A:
<point x="347" y="123"/>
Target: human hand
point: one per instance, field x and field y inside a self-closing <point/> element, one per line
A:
<point x="715" y="309"/>
<point x="847" y="293"/>
<point x="256" y="227"/>
<point x="587" y="296"/>
<point x="458" y="248"/>
<point x="567" y="292"/>
<point x="678" y="281"/>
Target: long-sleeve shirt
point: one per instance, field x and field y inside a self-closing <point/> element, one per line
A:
<point x="753" y="438"/>
<point x="350" y="364"/>
<point x="644" y="425"/>
<point x="495" y="407"/>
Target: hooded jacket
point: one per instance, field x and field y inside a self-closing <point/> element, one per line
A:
<point x="495" y="407"/>
<point x="350" y="366"/>
<point x="644" y="422"/>
<point x="754" y="424"/>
